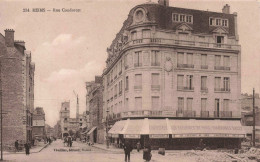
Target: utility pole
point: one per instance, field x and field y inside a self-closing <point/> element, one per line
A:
<point x="253" y="117"/>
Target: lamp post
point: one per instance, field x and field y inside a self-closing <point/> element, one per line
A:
<point x="107" y="140"/>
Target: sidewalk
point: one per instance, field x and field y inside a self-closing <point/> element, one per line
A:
<point x="34" y="149"/>
<point x="111" y="148"/>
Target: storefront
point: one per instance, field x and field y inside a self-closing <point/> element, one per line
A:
<point x="179" y="134"/>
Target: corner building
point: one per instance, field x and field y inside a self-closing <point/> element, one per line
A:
<point x="173" y="77"/>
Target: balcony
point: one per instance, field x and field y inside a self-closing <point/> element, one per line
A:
<point x="223" y="114"/>
<point x="155" y="87"/>
<point x="182" y="88"/>
<point x="204" y="89"/>
<point x="139" y="87"/>
<point x="155" y="64"/>
<point x="204" y="66"/>
<point x="204" y="114"/>
<point x="222" y="68"/>
<point x="221" y="89"/>
<point x="138" y="64"/>
<point x="189" y="113"/>
<point x="185" y="65"/>
<point x="162" y="41"/>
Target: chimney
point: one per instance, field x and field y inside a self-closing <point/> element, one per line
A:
<point x="226" y="9"/>
<point x="164" y="3"/>
<point x="9" y="37"/>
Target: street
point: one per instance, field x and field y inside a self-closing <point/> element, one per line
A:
<point x="81" y="152"/>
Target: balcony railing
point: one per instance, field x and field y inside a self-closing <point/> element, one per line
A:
<point x="139" y="87"/>
<point x="204" y="66"/>
<point x="222" y="68"/>
<point x="204" y="114"/>
<point x="180" y="43"/>
<point x="182" y="88"/>
<point x="178" y="113"/>
<point x="204" y="89"/>
<point x="223" y="114"/>
<point x="222" y="89"/>
<point x="155" y="87"/>
<point x="155" y="64"/>
<point x="185" y="65"/>
<point x="138" y="64"/>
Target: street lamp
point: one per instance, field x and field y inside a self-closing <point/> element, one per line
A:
<point x="107" y="140"/>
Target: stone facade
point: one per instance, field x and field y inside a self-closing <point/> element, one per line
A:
<point x="38" y="123"/>
<point x="17" y="81"/>
<point x="95" y="102"/>
<point x="169" y="62"/>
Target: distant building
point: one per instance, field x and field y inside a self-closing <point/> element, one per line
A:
<point x="49" y="131"/>
<point x="17" y="79"/>
<point x="173" y="77"/>
<point x="57" y="130"/>
<point x="247" y="114"/>
<point x="38" y="130"/>
<point x="95" y="103"/>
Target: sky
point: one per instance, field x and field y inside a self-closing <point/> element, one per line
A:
<point x="69" y="49"/>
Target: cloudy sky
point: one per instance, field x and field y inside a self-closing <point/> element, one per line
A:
<point x="70" y="48"/>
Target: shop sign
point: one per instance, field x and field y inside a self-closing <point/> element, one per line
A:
<point x="132" y="136"/>
<point x="168" y="113"/>
<point x="205" y="135"/>
<point x="158" y="136"/>
<point x="115" y="135"/>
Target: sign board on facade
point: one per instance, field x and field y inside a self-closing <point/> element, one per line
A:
<point x="159" y="136"/>
<point x="39" y="123"/>
<point x="168" y="113"/>
<point x="131" y="136"/>
<point x="208" y="135"/>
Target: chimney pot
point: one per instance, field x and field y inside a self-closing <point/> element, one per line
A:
<point x="164" y="3"/>
<point x="226" y="9"/>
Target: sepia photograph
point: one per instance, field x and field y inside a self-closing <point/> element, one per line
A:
<point x="130" y="80"/>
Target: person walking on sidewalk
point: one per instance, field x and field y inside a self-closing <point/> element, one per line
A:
<point x="138" y="146"/>
<point x="27" y="148"/>
<point x="147" y="152"/>
<point x="127" y="148"/>
<point x="16" y="144"/>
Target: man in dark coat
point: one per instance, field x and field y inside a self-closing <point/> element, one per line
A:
<point x="147" y="152"/>
<point x="16" y="144"/>
<point x="27" y="148"/>
<point x="127" y="148"/>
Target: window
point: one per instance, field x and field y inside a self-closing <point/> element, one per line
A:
<point x="126" y="64"/>
<point x="180" y="104"/>
<point x="190" y="59"/>
<point x="126" y="104"/>
<point x="146" y="33"/>
<point x="204" y="83"/>
<point x="138" y="59"/>
<point x="115" y="90"/>
<point x="138" y="103"/>
<point x="65" y="108"/>
<point x="80" y="124"/>
<point x="189" y="104"/>
<point x="224" y="22"/>
<point x="203" y="104"/>
<point x="126" y="83"/>
<point x="203" y="59"/>
<point x="175" y="17"/>
<point x="188" y="19"/>
<point x="182" y="18"/>
<point x="155" y="58"/>
<point x="226" y="84"/>
<point x="134" y="35"/>
<point x="115" y="109"/>
<point x="180" y="81"/>
<point x="218" y="22"/>
<point x="211" y="21"/>
<point x="112" y="74"/>
<point x="226" y="105"/>
<point x="180" y="59"/>
<point x="217" y="60"/>
<point x="220" y="40"/>
<point x="217" y="83"/>
<point x="120" y="67"/>
<point x="155" y="102"/>
<point x="155" y="79"/>
<point x="65" y="119"/>
<point x="190" y="82"/>
<point x="217" y="107"/>
<point x="138" y="81"/>
<point x="226" y="61"/>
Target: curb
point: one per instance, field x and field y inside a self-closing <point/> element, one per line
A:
<point x="9" y="153"/>
<point x="108" y="149"/>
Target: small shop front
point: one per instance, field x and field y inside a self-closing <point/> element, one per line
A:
<point x="179" y="134"/>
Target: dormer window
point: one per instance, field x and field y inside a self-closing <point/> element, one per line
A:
<point x="176" y="17"/>
<point x="218" y="22"/>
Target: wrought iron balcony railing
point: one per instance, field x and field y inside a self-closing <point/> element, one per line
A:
<point x="182" y="88"/>
<point x="155" y="87"/>
<point x="222" y="68"/>
<point x="222" y="89"/>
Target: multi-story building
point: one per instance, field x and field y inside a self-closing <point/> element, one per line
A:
<point x="95" y="102"/>
<point x="173" y="77"/>
<point x="38" y="130"/>
<point x="64" y="118"/>
<point x="17" y="83"/>
<point x="57" y="130"/>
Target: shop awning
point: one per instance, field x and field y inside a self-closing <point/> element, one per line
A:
<point x="133" y="129"/>
<point x="117" y="128"/>
<point x="206" y="128"/>
<point x="91" y="130"/>
<point x="158" y="128"/>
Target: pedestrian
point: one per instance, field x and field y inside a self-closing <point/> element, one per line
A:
<point x="16" y="144"/>
<point x="201" y="144"/>
<point x="127" y="148"/>
<point x="138" y="146"/>
<point x="147" y="152"/>
<point x="27" y="148"/>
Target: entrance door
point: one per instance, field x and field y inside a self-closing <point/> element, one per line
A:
<point x="95" y="136"/>
<point x="216" y="107"/>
